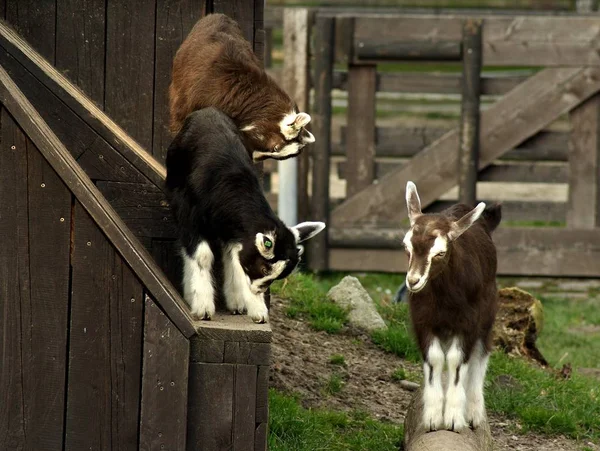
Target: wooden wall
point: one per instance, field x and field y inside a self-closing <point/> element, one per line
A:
<point x="85" y="354"/>
<point x="120" y="52"/>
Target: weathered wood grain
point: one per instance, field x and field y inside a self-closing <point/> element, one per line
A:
<point x="80" y="44"/>
<point x="469" y="121"/>
<point x="244" y="407"/>
<point x="44" y="317"/>
<point x="515" y="117"/>
<point x="130" y="67"/>
<point x="521" y="251"/>
<point x="405" y="142"/>
<point x="174" y="20"/>
<point x="262" y="394"/>
<point x="210" y="413"/>
<point x="360" y="132"/>
<point x="35" y="20"/>
<point x="227" y="327"/>
<point x="583" y="210"/>
<point x="517" y="40"/>
<point x="14" y="278"/>
<point x="81" y="105"/>
<point x="324" y="38"/>
<point x="164" y="403"/>
<point x="89" y="196"/>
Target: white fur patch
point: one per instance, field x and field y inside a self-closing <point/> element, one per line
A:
<point x="439" y="245"/>
<point x="286" y="126"/>
<point x="456" y="398"/>
<point x="259" y="241"/>
<point x="248" y="128"/>
<point x="475" y="378"/>
<point x="306" y="230"/>
<point x="276" y="269"/>
<point x="309" y="138"/>
<point x="289" y="150"/>
<point x="198" y="290"/>
<point x="237" y="287"/>
<point x="433" y="390"/>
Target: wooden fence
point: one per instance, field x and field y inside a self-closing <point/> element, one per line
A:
<point x="98" y="350"/>
<point x="542" y="128"/>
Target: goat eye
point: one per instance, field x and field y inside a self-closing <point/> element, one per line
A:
<point x="441" y="254"/>
<point x="268" y="243"/>
<point x="265" y="271"/>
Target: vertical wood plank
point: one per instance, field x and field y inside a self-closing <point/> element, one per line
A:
<point x="210" y="415"/>
<point x="126" y="336"/>
<point x="260" y="37"/>
<point x="129" y="85"/>
<point x="468" y="160"/>
<point x="174" y="20"/>
<point x="14" y="278"/>
<point x="324" y="39"/>
<point x="360" y="132"/>
<point x="242" y="11"/>
<point x="105" y="344"/>
<point x="45" y="318"/>
<point x="35" y="21"/>
<point x="296" y="82"/>
<point x="166" y="360"/>
<point x="244" y="407"/>
<point x="88" y="418"/>
<point x="583" y="208"/>
<point x="80" y="44"/>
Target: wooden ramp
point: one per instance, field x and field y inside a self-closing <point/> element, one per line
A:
<point x="99" y="351"/>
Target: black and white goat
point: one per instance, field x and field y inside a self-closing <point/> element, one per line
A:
<point x="220" y="209"/>
<point x="451" y="280"/>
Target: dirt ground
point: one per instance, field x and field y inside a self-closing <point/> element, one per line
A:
<point x="301" y="364"/>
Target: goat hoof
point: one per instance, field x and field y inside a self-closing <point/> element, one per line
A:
<point x="206" y="317"/>
<point x="259" y="320"/>
<point x="237" y="312"/>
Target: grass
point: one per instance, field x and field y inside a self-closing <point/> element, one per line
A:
<point x="337" y="359"/>
<point x="536" y="399"/>
<point x="334" y="384"/>
<point x="294" y="428"/>
<point x="571" y="332"/>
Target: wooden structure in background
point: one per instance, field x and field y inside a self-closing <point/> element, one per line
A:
<point x="515" y="145"/>
<point x="98" y="349"/>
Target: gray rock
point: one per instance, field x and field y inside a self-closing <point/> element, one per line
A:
<point x="349" y="293"/>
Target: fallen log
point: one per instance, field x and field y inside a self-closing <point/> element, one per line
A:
<point x="417" y="438"/>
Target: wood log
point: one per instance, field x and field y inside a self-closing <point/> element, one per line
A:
<point x="416" y="438"/>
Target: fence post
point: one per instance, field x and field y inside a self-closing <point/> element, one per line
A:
<point x="468" y="160"/>
<point x="295" y="83"/>
<point x="325" y="41"/>
<point x="360" y="132"/>
<point x="583" y="208"/>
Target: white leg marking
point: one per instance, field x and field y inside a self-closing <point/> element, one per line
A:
<point x="433" y="391"/>
<point x="238" y="293"/>
<point x="456" y="398"/>
<point x="198" y="290"/>
<point x="476" y="377"/>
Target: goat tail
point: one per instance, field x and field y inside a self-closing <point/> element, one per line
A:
<point x="492" y="215"/>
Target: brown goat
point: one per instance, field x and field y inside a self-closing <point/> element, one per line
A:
<point x="216" y="67"/>
<point x="451" y="280"/>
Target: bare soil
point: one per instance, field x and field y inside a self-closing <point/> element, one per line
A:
<point x="302" y="365"/>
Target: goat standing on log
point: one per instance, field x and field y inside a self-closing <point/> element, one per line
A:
<point x="216" y="67"/>
<point x="451" y="280"/>
<point x="220" y="209"/>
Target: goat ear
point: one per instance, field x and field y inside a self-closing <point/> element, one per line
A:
<point x="302" y="120"/>
<point x="306" y="230"/>
<point x="413" y="203"/>
<point x="462" y="225"/>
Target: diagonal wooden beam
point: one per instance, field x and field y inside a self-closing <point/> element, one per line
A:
<point x="521" y="113"/>
<point x="95" y="204"/>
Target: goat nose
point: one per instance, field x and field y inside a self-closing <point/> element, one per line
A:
<point x="413" y="280"/>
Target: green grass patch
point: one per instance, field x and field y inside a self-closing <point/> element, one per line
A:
<point x="541" y="401"/>
<point x="337" y="359"/>
<point x="571" y="332"/>
<point x="294" y="428"/>
<point x="334" y="384"/>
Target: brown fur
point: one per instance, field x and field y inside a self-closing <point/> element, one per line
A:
<point x="215" y="66"/>
<point x="460" y="298"/>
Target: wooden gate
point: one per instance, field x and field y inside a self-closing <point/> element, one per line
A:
<point x="364" y="232"/>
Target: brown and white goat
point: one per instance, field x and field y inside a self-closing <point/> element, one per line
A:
<point x="216" y="67"/>
<point x="451" y="280"/>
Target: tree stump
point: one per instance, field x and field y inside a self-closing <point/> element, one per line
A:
<point x="416" y="438"/>
<point x="518" y="323"/>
